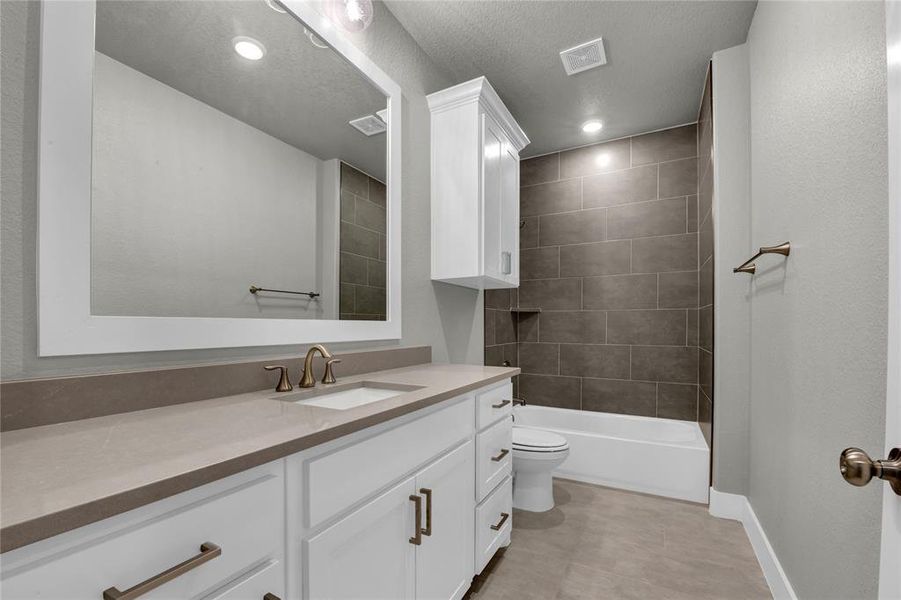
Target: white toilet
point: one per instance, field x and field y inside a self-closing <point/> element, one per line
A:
<point x="536" y="453"/>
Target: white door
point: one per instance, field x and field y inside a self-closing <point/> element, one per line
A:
<point x="890" y="571"/>
<point x="492" y="180"/>
<point x="367" y="554"/>
<point x="444" y="561"/>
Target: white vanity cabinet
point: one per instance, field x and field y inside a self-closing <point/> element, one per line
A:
<point x="399" y="510"/>
<point x="475" y="187"/>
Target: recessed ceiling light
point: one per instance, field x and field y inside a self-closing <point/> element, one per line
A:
<point x="592" y="126"/>
<point x="249" y="48"/>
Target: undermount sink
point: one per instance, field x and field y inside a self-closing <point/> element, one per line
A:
<point x="347" y="395"/>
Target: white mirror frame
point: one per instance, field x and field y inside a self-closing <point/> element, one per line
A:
<point x="67" y="326"/>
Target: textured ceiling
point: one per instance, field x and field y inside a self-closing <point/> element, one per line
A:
<point x="657" y="55"/>
<point x="298" y="93"/>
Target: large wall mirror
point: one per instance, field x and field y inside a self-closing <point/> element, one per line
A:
<point x="235" y="178"/>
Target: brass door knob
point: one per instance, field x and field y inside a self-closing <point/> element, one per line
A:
<point x="858" y="468"/>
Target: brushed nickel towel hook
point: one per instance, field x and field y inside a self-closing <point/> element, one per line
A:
<point x="749" y="267"/>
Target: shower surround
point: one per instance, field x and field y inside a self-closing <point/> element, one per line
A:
<point x="609" y="254"/>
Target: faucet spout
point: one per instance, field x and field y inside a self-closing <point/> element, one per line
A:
<point x="308" y="381"/>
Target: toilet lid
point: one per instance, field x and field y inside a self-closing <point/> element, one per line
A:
<point x="538" y="440"/>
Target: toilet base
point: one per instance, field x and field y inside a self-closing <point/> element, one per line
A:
<point x="533" y="491"/>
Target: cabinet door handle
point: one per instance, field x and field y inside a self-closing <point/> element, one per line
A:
<point x="208" y="551"/>
<point x="428" y="510"/>
<point x="416" y="540"/>
<point x="500" y="456"/>
<point x="501" y="405"/>
<point x="504" y="517"/>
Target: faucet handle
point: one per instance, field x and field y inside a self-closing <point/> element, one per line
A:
<point x="284" y="385"/>
<point x="329" y="376"/>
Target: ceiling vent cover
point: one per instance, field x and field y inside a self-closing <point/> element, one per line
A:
<point x="584" y="56"/>
<point x="369" y="125"/>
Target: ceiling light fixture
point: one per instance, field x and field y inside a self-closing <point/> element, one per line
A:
<point x="592" y="126"/>
<point x="249" y="48"/>
<point x="353" y="15"/>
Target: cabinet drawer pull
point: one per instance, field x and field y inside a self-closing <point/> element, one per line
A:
<point x="504" y="517"/>
<point x="500" y="456"/>
<point x="416" y="540"/>
<point x="428" y="510"/>
<point x="208" y="551"/>
<point x="501" y="405"/>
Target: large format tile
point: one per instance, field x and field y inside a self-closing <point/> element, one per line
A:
<point x="352" y="269"/>
<point x="705" y="328"/>
<point x="646" y="327"/>
<point x="354" y="181"/>
<point x="619" y="291"/>
<point x="378" y="192"/>
<point x="358" y="240"/>
<point x="617" y="396"/>
<point x="666" y="253"/>
<point x="678" y="178"/>
<point x="665" y="363"/>
<point x="644" y="219"/>
<point x="540" y="169"/>
<point x="620" y="187"/>
<point x="528" y="233"/>
<point x="547" y="198"/>
<point x="601" y="360"/>
<point x="677" y="401"/>
<point x="602" y="258"/>
<point x="669" y="144"/>
<point x="370" y="301"/>
<point x="504" y="327"/>
<point x="542" y="359"/>
<point x="597" y="158"/>
<point x="370" y="215"/>
<point x="376" y="272"/>
<point x="678" y="289"/>
<point x="539" y="263"/>
<point x="550" y="390"/>
<point x="551" y="294"/>
<point x="579" y="327"/>
<point x="573" y="228"/>
<point x="498" y="298"/>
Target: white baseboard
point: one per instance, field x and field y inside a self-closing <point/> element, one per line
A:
<point x="737" y="507"/>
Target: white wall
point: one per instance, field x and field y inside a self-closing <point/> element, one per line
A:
<point x="732" y="246"/>
<point x="817" y="321"/>
<point x="191" y="206"/>
<point x="448" y="318"/>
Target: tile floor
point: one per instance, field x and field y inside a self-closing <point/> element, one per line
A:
<point x="606" y="543"/>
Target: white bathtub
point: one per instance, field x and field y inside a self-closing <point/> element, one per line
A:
<point x="643" y="454"/>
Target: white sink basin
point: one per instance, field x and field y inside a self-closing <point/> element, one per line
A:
<point x="347" y="396"/>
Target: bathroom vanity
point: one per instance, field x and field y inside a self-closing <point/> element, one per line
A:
<point x="403" y="497"/>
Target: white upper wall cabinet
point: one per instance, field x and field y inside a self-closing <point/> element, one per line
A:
<point x="475" y="187"/>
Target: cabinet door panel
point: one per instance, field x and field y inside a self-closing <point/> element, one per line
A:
<point x="368" y="553"/>
<point x="493" y="142"/>
<point x="444" y="561"/>
<point x="509" y="247"/>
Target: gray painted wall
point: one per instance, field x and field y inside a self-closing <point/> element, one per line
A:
<point x="446" y="317"/>
<point x="732" y="235"/>
<point x="190" y="206"/>
<point x="818" y="320"/>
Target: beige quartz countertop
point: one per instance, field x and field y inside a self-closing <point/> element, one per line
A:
<point x="58" y="477"/>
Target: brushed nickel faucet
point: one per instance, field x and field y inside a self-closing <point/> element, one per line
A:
<point x="308" y="381"/>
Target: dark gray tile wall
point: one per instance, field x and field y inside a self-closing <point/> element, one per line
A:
<point x="705" y="262"/>
<point x="362" y="264"/>
<point x="609" y="252"/>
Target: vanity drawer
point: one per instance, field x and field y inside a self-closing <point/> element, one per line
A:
<point x="245" y="521"/>
<point x="494" y="404"/>
<point x="494" y="456"/>
<point x="492" y="526"/>
<point x="338" y="480"/>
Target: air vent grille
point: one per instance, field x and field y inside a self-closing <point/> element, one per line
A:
<point x="369" y="125"/>
<point x="584" y="56"/>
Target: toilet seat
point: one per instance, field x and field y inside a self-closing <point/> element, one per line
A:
<point x="526" y="439"/>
